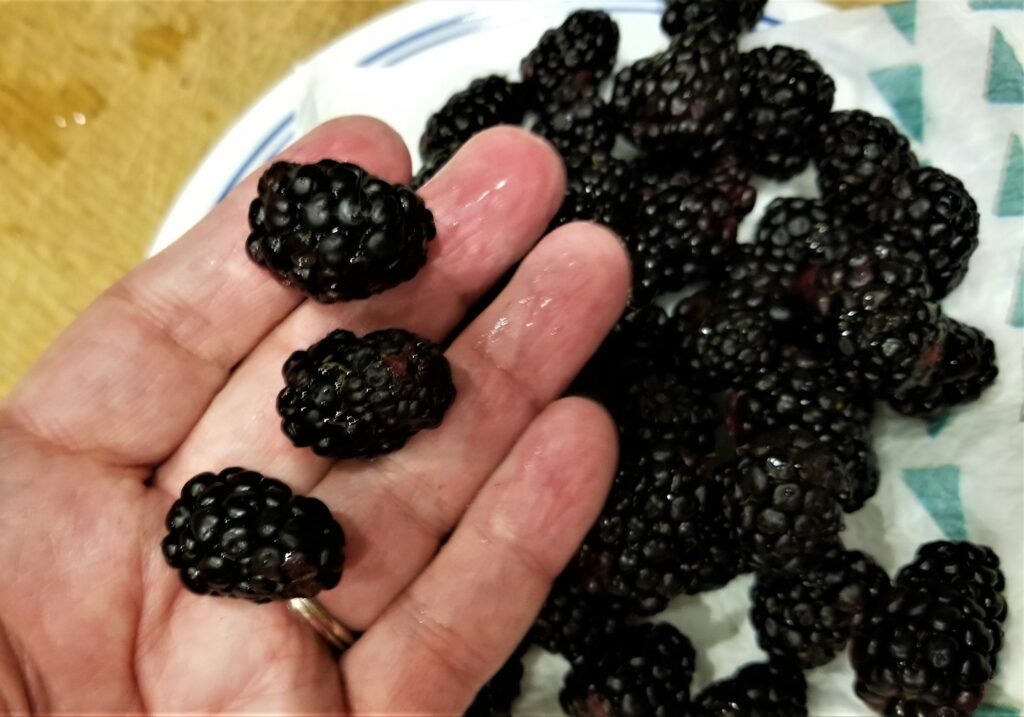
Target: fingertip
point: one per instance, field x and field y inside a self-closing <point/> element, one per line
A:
<point x="604" y="246"/>
<point x="509" y="163"/>
<point x="572" y="448"/>
<point x="592" y="423"/>
<point x="585" y="252"/>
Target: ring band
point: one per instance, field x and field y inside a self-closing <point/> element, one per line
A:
<point x="324" y="623"/>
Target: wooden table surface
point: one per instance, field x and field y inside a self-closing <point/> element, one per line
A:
<point x="105" y="110"/>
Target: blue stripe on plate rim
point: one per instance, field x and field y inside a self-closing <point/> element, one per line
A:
<point x="393" y="54"/>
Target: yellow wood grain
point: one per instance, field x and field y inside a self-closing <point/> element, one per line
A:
<point x="105" y="110"/>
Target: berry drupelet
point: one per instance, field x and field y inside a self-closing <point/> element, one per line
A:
<point x="967" y="567"/>
<point x="928" y="651"/>
<point x="661" y="406"/>
<point x="859" y="276"/>
<point x="726" y="173"/>
<point x="768" y="689"/>
<point x="585" y="127"/>
<point x="574" y="623"/>
<point x="785" y="493"/>
<point x="599" y="188"/>
<point x="681" y="236"/>
<point x="794" y="233"/>
<point x="826" y="399"/>
<point x="809" y="617"/>
<point x="356" y="397"/>
<point x="690" y="16"/>
<point x="487" y="102"/>
<point x="660" y="533"/>
<point x="642" y="342"/>
<point x="896" y="346"/>
<point x="931" y="213"/>
<point x="735" y="333"/>
<point x="335" y="231"/>
<point x="573" y="57"/>
<point x="859" y="158"/>
<point x="685" y="99"/>
<point x="784" y="96"/>
<point x="881" y="323"/>
<point x="239" y="534"/>
<point x="647" y="674"/>
<point x="966" y="367"/>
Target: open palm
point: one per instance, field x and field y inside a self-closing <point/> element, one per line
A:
<point x="174" y="371"/>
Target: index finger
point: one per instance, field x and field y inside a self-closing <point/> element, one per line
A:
<point x="133" y="374"/>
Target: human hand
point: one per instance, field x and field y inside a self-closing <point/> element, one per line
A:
<point x="174" y="371"/>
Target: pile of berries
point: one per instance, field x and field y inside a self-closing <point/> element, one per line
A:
<point x="744" y="376"/>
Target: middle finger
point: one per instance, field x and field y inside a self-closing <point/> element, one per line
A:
<point x="512" y="361"/>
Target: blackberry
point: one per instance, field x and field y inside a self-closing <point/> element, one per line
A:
<point x="660" y="533"/>
<point x="785" y="495"/>
<point x="680" y="237"/>
<point x="598" y="189"/>
<point x="859" y="157"/>
<point x="348" y="396"/>
<point x="735" y="334"/>
<point x="586" y="127"/>
<point x="336" y="232"/>
<point x="933" y="214"/>
<point x="794" y="233"/>
<point x="685" y="98"/>
<point x="726" y="173"/>
<point x="784" y="97"/>
<point x="861" y="277"/>
<point x="826" y="399"/>
<point x="577" y="55"/>
<point x="487" y="102"/>
<point x="928" y="651"/>
<point x="647" y="674"/>
<point x="688" y="16"/>
<point x="659" y="406"/>
<point x="574" y="623"/>
<point x="966" y="368"/>
<point x="809" y="617"/>
<point x="729" y="175"/>
<point x="239" y="534"/>
<point x="496" y="697"/>
<point x="896" y="347"/>
<point x="643" y="341"/>
<point x="973" y="569"/>
<point x="767" y="689"/>
<point x="882" y="324"/>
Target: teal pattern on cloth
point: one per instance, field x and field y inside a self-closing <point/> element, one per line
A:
<point x="1011" y="192"/>
<point x="996" y="711"/>
<point x="1005" y="74"/>
<point x="997" y="4"/>
<point x="938" y="490"/>
<point x="903" y="89"/>
<point x="904" y="17"/>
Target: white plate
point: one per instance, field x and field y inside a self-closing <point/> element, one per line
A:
<point x="450" y="41"/>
